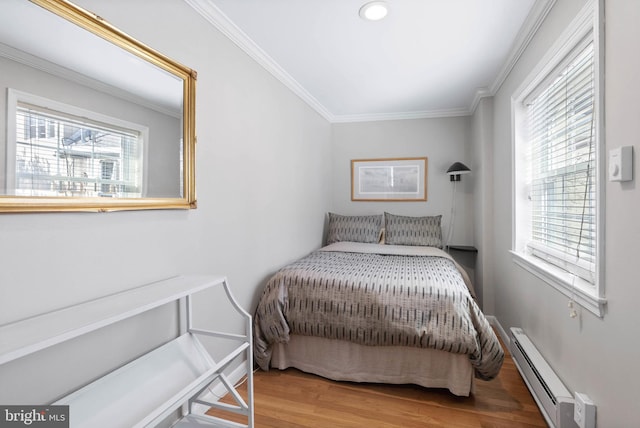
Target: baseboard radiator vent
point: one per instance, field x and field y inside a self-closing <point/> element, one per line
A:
<point x="553" y="398"/>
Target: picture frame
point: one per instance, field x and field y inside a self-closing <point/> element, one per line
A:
<point x="389" y="179"/>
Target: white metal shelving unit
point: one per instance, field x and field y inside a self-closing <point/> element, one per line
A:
<point x="167" y="379"/>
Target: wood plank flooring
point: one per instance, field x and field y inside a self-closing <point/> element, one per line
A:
<point x="291" y="398"/>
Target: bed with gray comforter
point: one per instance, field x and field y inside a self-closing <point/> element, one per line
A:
<point x="377" y="295"/>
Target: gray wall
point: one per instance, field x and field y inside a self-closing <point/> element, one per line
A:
<point x="597" y="356"/>
<point x="263" y="162"/>
<point x="443" y="141"/>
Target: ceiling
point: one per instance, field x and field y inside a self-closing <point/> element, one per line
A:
<point x="427" y="58"/>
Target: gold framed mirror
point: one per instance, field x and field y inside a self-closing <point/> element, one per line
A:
<point x="92" y="119"/>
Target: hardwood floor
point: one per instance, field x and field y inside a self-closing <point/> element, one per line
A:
<point x="290" y="398"/>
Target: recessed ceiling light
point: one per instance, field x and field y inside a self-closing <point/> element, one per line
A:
<point x="374" y="11"/>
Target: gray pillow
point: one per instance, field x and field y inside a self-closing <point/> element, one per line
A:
<point x="403" y="230"/>
<point x="359" y="228"/>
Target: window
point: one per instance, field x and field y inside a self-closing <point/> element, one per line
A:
<point x="557" y="193"/>
<point x="561" y="154"/>
<point x="65" y="151"/>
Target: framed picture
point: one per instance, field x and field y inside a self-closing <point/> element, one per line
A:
<point x="400" y="179"/>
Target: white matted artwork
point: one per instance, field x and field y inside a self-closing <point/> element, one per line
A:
<point x="399" y="179"/>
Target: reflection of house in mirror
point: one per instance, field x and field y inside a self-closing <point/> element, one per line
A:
<point x="69" y="139"/>
<point x="60" y="154"/>
<point x="86" y="117"/>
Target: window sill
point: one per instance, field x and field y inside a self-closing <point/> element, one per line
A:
<point x="581" y="292"/>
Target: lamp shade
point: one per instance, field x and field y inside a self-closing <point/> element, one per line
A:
<point x="456" y="169"/>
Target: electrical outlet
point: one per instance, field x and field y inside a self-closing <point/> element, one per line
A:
<point x="584" y="411"/>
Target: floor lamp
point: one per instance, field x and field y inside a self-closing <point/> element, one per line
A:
<point x="454" y="172"/>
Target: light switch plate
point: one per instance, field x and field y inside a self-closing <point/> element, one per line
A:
<point x="621" y="164"/>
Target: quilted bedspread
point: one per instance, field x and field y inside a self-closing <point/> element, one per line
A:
<point x="376" y="295"/>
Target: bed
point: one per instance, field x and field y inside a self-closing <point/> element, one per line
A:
<point x="393" y="312"/>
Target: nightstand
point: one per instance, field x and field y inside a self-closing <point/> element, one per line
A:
<point x="465" y="248"/>
<point x="466" y="256"/>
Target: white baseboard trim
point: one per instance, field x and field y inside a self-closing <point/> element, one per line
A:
<point x="217" y="390"/>
<point x="501" y="331"/>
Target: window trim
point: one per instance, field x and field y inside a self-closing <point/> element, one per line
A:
<point x="589" y="296"/>
<point x="14" y="97"/>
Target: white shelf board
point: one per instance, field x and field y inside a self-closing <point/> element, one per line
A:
<point x="157" y="382"/>
<point x="34" y="334"/>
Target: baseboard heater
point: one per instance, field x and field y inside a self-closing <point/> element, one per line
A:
<point x="553" y="398"/>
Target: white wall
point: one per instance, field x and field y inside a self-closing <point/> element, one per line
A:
<point x="443" y="141"/>
<point x="592" y="355"/>
<point x="263" y="158"/>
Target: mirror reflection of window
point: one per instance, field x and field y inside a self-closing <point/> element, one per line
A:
<point x="117" y="83"/>
<point x="63" y="154"/>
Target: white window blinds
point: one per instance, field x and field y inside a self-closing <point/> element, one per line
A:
<point x="58" y="154"/>
<point x="560" y="128"/>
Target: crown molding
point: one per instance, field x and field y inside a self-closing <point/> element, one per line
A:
<point x="219" y="20"/>
<point x="228" y="28"/>
<point x="479" y="95"/>
<point x="431" y="114"/>
<point x="534" y="20"/>
<point x="529" y="28"/>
